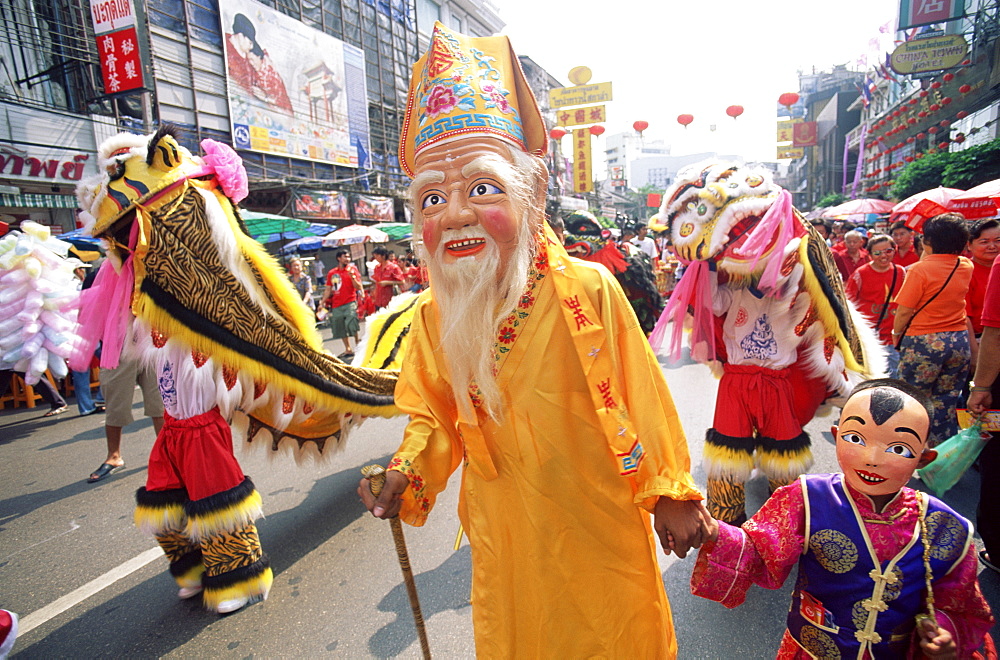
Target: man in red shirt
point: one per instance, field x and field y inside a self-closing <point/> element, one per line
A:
<point x="340" y="295"/>
<point x="872" y="287"/>
<point x="986" y="396"/>
<point x="385" y="276"/>
<point x="906" y="252"/>
<point x="853" y="256"/>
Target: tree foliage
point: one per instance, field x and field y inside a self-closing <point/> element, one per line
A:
<point x="831" y="199"/>
<point x="961" y="169"/>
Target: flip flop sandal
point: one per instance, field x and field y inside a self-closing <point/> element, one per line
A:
<point x="103" y="471"/>
<point x="56" y="411"/>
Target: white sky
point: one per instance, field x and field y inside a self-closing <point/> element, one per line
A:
<point x="696" y="56"/>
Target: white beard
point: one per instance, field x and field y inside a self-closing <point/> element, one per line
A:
<point x="474" y="297"/>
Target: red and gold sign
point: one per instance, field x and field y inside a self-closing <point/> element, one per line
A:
<point x="804" y="134"/>
<point x="595" y="114"/>
<point x="583" y="180"/>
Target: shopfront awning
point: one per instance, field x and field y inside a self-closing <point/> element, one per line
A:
<point x="38" y="201"/>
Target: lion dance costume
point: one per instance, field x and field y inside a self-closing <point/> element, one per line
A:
<point x="187" y="291"/>
<point x="769" y="305"/>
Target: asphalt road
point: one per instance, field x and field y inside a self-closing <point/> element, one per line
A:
<point x="87" y="584"/>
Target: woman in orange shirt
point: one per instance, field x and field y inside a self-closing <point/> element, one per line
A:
<point x="931" y="326"/>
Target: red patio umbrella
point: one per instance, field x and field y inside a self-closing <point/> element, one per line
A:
<point x="927" y="204"/>
<point x="857" y="207"/>
<point x="979" y="202"/>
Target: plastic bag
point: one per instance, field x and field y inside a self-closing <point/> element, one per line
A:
<point x="955" y="455"/>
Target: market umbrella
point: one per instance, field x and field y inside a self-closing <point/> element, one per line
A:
<point x="979" y="202"/>
<point x="352" y="234"/>
<point x="305" y="244"/>
<point x="397" y="231"/>
<point x="927" y="204"/>
<point x="857" y="207"/>
<point x="83" y="247"/>
<point x="268" y="227"/>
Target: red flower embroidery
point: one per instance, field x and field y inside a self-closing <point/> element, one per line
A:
<point x="526" y="301"/>
<point x="440" y="100"/>
<point x="507" y="335"/>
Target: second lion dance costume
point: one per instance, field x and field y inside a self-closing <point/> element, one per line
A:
<point x="227" y="334"/>
<point x="769" y="307"/>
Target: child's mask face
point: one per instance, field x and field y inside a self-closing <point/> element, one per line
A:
<point x="881" y="440"/>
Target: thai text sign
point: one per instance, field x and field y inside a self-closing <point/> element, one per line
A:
<point x="924" y="12"/>
<point x="932" y="54"/>
<point x="786" y="130"/>
<point x="117" y="45"/>
<point x="574" y="117"/>
<point x="561" y="97"/>
<point x="582" y="178"/>
<point x="790" y="152"/>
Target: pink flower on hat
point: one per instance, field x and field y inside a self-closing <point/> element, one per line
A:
<point x="496" y="96"/>
<point x="440" y="100"/>
<point x="228" y="166"/>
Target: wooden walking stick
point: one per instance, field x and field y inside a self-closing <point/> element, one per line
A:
<point x="376" y="480"/>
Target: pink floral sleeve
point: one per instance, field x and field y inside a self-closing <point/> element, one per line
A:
<point x="762" y="551"/>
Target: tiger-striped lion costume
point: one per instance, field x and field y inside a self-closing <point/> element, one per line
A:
<point x="762" y="284"/>
<point x="190" y="294"/>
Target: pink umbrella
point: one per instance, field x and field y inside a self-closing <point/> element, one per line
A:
<point x="857" y="207"/>
<point x="927" y="204"/>
<point x="978" y="202"/>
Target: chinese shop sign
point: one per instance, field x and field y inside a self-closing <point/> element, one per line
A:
<point x="118" y="45"/>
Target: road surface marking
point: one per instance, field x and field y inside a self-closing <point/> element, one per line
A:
<point x="77" y="596"/>
<point x="72" y="528"/>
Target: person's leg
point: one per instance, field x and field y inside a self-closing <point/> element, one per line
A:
<point x="49" y="393"/>
<point x="113" y="435"/>
<point x="954" y="356"/>
<point x="119" y="387"/>
<point x="728" y="453"/>
<point x="81" y="386"/>
<point x="919" y="365"/>
<point x="988" y="511"/>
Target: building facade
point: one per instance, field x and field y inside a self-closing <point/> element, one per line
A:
<point x="314" y="104"/>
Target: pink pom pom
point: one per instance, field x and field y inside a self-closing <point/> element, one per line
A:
<point x="228" y="168"/>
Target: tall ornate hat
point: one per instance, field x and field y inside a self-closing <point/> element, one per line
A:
<point x="469" y="86"/>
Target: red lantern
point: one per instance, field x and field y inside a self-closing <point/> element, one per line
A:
<point x="908" y="159"/>
<point x="684" y="120"/>
<point x="557" y="133"/>
<point x="932" y="130"/>
<point x="942" y="145"/>
<point x="966" y="62"/>
<point x="923" y="93"/>
<point x="919" y="156"/>
<point x="734" y="111"/>
<point x="935" y="107"/>
<point x="965" y="89"/>
<point x="788" y="99"/>
<point x="640" y="126"/>
<point x="913" y="101"/>
<point x="596" y="130"/>
<point x="944" y="123"/>
<point x="962" y="114"/>
<point x="948" y="77"/>
<point x="910" y="140"/>
<point x="960" y="138"/>
<point x="921" y="114"/>
<point x="936" y="84"/>
<point x="912" y="120"/>
<point x="921" y="136"/>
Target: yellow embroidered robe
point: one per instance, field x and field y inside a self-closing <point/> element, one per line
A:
<point x="563" y="554"/>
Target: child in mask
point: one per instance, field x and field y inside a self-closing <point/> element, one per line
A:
<point x="867" y="546"/>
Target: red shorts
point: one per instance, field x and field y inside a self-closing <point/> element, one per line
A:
<point x="755" y="399"/>
<point x="196" y="454"/>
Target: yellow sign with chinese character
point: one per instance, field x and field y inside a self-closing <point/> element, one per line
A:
<point x="786" y="129"/>
<point x="583" y="180"/>
<point x="790" y="152"/>
<point x="561" y="97"/>
<point x="594" y="114"/>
